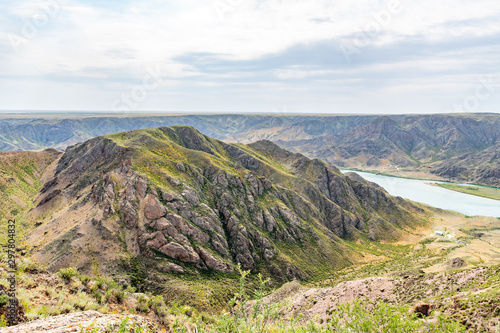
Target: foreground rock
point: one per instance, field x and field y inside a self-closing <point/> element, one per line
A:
<point x="470" y="296"/>
<point x="75" y="322"/>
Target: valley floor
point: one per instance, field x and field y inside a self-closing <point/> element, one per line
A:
<point x="480" y="191"/>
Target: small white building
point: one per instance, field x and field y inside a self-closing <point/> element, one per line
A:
<point x="439" y="233"/>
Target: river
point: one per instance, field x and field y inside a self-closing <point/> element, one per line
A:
<point x="421" y="191"/>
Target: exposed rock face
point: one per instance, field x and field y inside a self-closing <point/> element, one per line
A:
<point x="480" y="168"/>
<point x="208" y="205"/>
<point x="49" y="197"/>
<point x="153" y="209"/>
<point x="183" y="253"/>
<point x="455" y="147"/>
<point x="455" y="263"/>
<point x="169" y="197"/>
<point x="247" y="160"/>
<point x="346" y="141"/>
<point x="171" y="268"/>
<point x="213" y="262"/>
<point x="422" y="310"/>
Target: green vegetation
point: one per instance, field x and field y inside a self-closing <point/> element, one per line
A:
<point x="4" y="299"/>
<point x="67" y="273"/>
<point x="365" y="316"/>
<point x="359" y="316"/>
<point x="125" y="326"/>
<point x="19" y="184"/>
<point x="206" y="300"/>
<point x="43" y="296"/>
<point x="393" y="259"/>
<point x="480" y="191"/>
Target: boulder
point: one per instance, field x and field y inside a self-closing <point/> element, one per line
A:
<point x="129" y="214"/>
<point x="221" y="179"/>
<point x="213" y="262"/>
<point x="269" y="221"/>
<point x="191" y="197"/>
<point x="421" y="310"/>
<point x="181" y="167"/>
<point x="169" y="197"/>
<point x="153" y="209"/>
<point x="141" y="187"/>
<point x="161" y="224"/>
<point x="220" y="248"/>
<point x="179" y="252"/>
<point x="157" y="242"/>
<point x="187" y="229"/>
<point x="171" y="268"/>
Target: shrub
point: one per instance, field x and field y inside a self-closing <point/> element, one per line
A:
<point x="130" y="289"/>
<point x="84" y="279"/>
<point x="28" y="266"/>
<point x="4" y="299"/>
<point x="143" y="303"/>
<point x="98" y="296"/>
<point x="3" y="321"/>
<point x="115" y="295"/>
<point x="67" y="273"/>
<point x="156" y="302"/>
<point x="363" y="316"/>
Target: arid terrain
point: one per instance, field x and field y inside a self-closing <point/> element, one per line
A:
<point x="457" y="147"/>
<point x="192" y="233"/>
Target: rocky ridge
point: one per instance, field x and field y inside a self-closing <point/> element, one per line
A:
<point x="187" y="203"/>
<point x="418" y="142"/>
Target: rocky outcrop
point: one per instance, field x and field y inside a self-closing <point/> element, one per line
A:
<point x="153" y="209"/>
<point x="212" y="262"/>
<point x="209" y="205"/>
<point x="346" y="141"/>
<point x="184" y="253"/>
<point x="76" y="322"/>
<point x="479" y="168"/>
<point x="421" y="310"/>
<point x="49" y="197"/>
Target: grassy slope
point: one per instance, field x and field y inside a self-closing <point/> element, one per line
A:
<point x="156" y="156"/>
<point x="157" y="159"/>
<point x="20" y="182"/>
<point x="44" y="294"/>
<point x="212" y="291"/>
<point x="485" y="192"/>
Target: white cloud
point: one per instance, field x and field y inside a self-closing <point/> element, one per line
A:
<point x="96" y="46"/>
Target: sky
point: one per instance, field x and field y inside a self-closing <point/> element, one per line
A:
<point x="268" y="56"/>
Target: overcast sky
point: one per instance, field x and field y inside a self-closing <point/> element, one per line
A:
<point x="314" y="56"/>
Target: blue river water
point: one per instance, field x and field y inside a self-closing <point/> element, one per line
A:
<point x="421" y="191"/>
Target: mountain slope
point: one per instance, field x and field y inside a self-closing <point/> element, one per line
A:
<point x="421" y="143"/>
<point x="479" y="167"/>
<point x="21" y="177"/>
<point x="63" y="131"/>
<point x="427" y="143"/>
<point x="181" y="202"/>
<point x="425" y="138"/>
